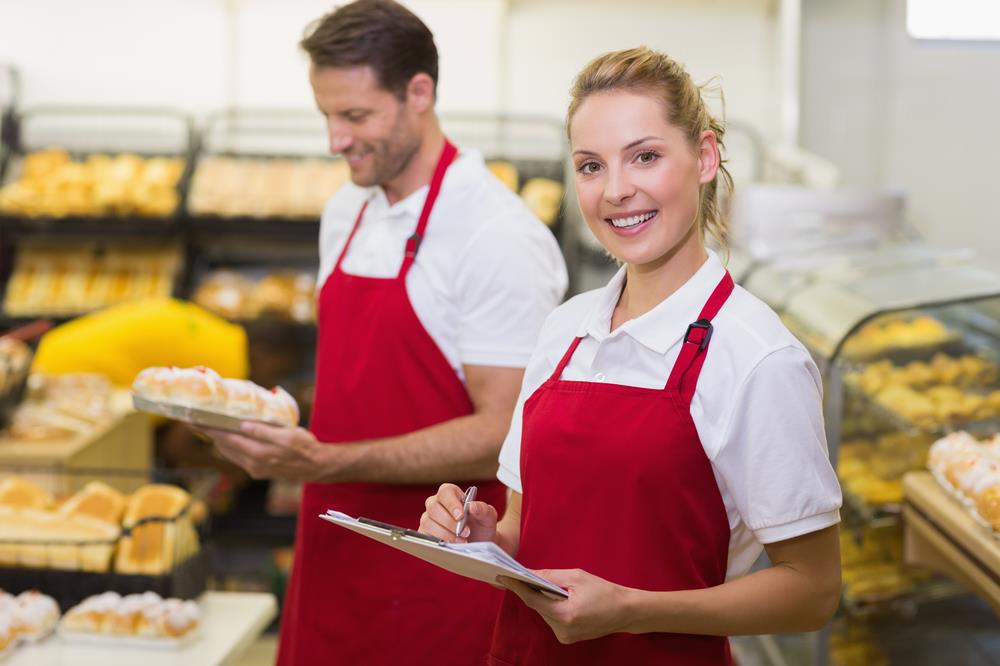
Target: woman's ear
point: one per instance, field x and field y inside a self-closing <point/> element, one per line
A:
<point x="420" y="92"/>
<point x="708" y="156"/>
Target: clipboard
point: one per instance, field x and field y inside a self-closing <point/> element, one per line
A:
<point x="483" y="560"/>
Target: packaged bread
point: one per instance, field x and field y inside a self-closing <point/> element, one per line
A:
<point x="48" y="540"/>
<point x="20" y="493"/>
<point x="161" y="533"/>
<point x="204" y="390"/>
<point x="97" y="500"/>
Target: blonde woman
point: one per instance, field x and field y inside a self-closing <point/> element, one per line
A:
<point x="669" y="427"/>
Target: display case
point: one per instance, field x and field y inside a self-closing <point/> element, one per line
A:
<point x="906" y="338"/>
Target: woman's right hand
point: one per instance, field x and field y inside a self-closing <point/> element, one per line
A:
<point x="444" y="510"/>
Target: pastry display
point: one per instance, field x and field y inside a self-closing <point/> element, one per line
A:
<point x="291" y="189"/>
<point x="543" y="197"/>
<point x="880" y="337"/>
<point x="870" y="471"/>
<point x="161" y="531"/>
<point x="60" y="407"/>
<point x="959" y="371"/>
<point x="69" y="280"/>
<point x="286" y="295"/>
<point x="144" y="615"/>
<point x="53" y="184"/>
<point x="970" y="470"/>
<point x="202" y="388"/>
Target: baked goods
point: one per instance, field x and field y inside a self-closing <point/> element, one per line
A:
<point x="161" y="535"/>
<point x="505" y="172"/>
<point x="140" y="615"/>
<point x="97" y="500"/>
<point x="543" y="197"/>
<point x="48" y="540"/>
<point x="27" y="617"/>
<point x="61" y="407"/>
<point x="20" y="493"/>
<point x="52" y="184"/>
<point x="70" y="279"/>
<point x="284" y="294"/>
<point x="202" y="388"/>
<point x="881" y="336"/>
<point x="291" y="189"/>
<point x="970" y="470"/>
<point x="15" y="356"/>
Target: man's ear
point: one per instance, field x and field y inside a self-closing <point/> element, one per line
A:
<point x="420" y="92"/>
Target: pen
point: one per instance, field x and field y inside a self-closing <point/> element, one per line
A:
<point x="470" y="496"/>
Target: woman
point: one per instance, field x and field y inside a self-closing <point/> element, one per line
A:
<point x="669" y="427"/>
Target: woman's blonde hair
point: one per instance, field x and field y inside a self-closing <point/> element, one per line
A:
<point x="644" y="70"/>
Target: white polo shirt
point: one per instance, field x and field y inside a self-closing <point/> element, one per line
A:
<point x="487" y="272"/>
<point x="757" y="406"/>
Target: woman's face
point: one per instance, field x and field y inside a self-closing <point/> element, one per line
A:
<point x="638" y="176"/>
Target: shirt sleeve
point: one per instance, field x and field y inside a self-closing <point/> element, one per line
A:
<point x="773" y="458"/>
<point x="510" y="277"/>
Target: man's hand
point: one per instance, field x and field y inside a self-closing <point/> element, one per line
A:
<point x="266" y="451"/>
<point x="595" y="607"/>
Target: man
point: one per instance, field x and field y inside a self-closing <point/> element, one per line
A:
<point x="435" y="282"/>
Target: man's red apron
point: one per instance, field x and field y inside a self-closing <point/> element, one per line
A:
<point x="379" y="374"/>
<point x="617" y="483"/>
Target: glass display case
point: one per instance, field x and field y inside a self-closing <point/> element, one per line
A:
<point x="907" y="340"/>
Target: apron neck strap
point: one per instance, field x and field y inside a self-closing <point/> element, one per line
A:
<point x="557" y="373"/>
<point x="448" y="154"/>
<point x="694" y="347"/>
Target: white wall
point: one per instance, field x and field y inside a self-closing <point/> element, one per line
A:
<point x="916" y="115"/>
<point x="497" y="55"/>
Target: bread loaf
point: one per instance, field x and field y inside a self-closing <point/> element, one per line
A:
<point x="156" y="547"/>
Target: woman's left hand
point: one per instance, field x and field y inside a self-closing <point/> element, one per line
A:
<point x="595" y="607"/>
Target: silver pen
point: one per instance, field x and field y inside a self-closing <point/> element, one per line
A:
<point x="470" y="496"/>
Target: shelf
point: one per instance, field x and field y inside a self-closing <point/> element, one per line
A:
<point x="941" y="535"/>
<point x="93" y="227"/>
<point x="203" y="226"/>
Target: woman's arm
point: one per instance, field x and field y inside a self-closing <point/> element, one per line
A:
<point x="799" y="592"/>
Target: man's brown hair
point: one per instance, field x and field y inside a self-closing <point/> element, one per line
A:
<point x="381" y="34"/>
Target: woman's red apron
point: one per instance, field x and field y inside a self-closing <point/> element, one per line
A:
<point x="617" y="483"/>
<point x="379" y="374"/>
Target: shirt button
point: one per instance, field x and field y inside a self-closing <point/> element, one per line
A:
<point x="599" y="377"/>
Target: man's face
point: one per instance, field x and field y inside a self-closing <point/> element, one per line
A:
<point x="377" y="133"/>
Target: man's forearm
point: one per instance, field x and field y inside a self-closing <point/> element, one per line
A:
<point x="460" y="449"/>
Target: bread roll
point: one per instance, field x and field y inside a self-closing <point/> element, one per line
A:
<point x="91" y="615"/>
<point x="51" y="541"/>
<point x="36" y="614"/>
<point x="21" y="493"/>
<point x="98" y="500"/>
<point x="156" y="547"/>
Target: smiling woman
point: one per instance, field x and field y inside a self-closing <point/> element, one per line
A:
<point x="650" y="452"/>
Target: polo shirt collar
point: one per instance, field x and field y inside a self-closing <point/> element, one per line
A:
<point x="663" y="326"/>
<point x="464" y="169"/>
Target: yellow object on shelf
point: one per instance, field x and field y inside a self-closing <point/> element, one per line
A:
<point x="505" y="172"/>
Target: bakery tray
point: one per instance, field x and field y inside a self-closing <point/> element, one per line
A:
<point x="192" y="415"/>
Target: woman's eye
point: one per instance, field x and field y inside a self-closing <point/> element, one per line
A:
<point x="647" y="157"/>
<point x="588" y="168"/>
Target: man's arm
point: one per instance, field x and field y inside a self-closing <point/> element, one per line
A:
<point x="462" y="448"/>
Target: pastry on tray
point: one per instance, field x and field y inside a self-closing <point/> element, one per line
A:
<point x="203" y="389"/>
<point x="144" y="615"/>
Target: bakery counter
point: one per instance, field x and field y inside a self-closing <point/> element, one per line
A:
<point x="231" y="622"/>
<point x="940" y="534"/>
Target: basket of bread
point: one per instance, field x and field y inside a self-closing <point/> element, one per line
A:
<point x="201" y="397"/>
<point x="101" y="539"/>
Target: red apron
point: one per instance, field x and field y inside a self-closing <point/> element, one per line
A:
<point x="379" y="374"/>
<point x="617" y="483"/>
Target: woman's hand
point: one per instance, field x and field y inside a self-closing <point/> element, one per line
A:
<point x="595" y="607"/>
<point x="444" y="510"/>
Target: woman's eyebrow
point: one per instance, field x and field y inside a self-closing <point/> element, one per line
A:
<point x="631" y="145"/>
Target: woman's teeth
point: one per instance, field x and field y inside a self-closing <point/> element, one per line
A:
<point x="625" y="222"/>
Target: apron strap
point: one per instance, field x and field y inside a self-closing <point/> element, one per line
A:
<point x="557" y="373"/>
<point x="413" y="243"/>
<point x="694" y="348"/>
<point x="350" y="237"/>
